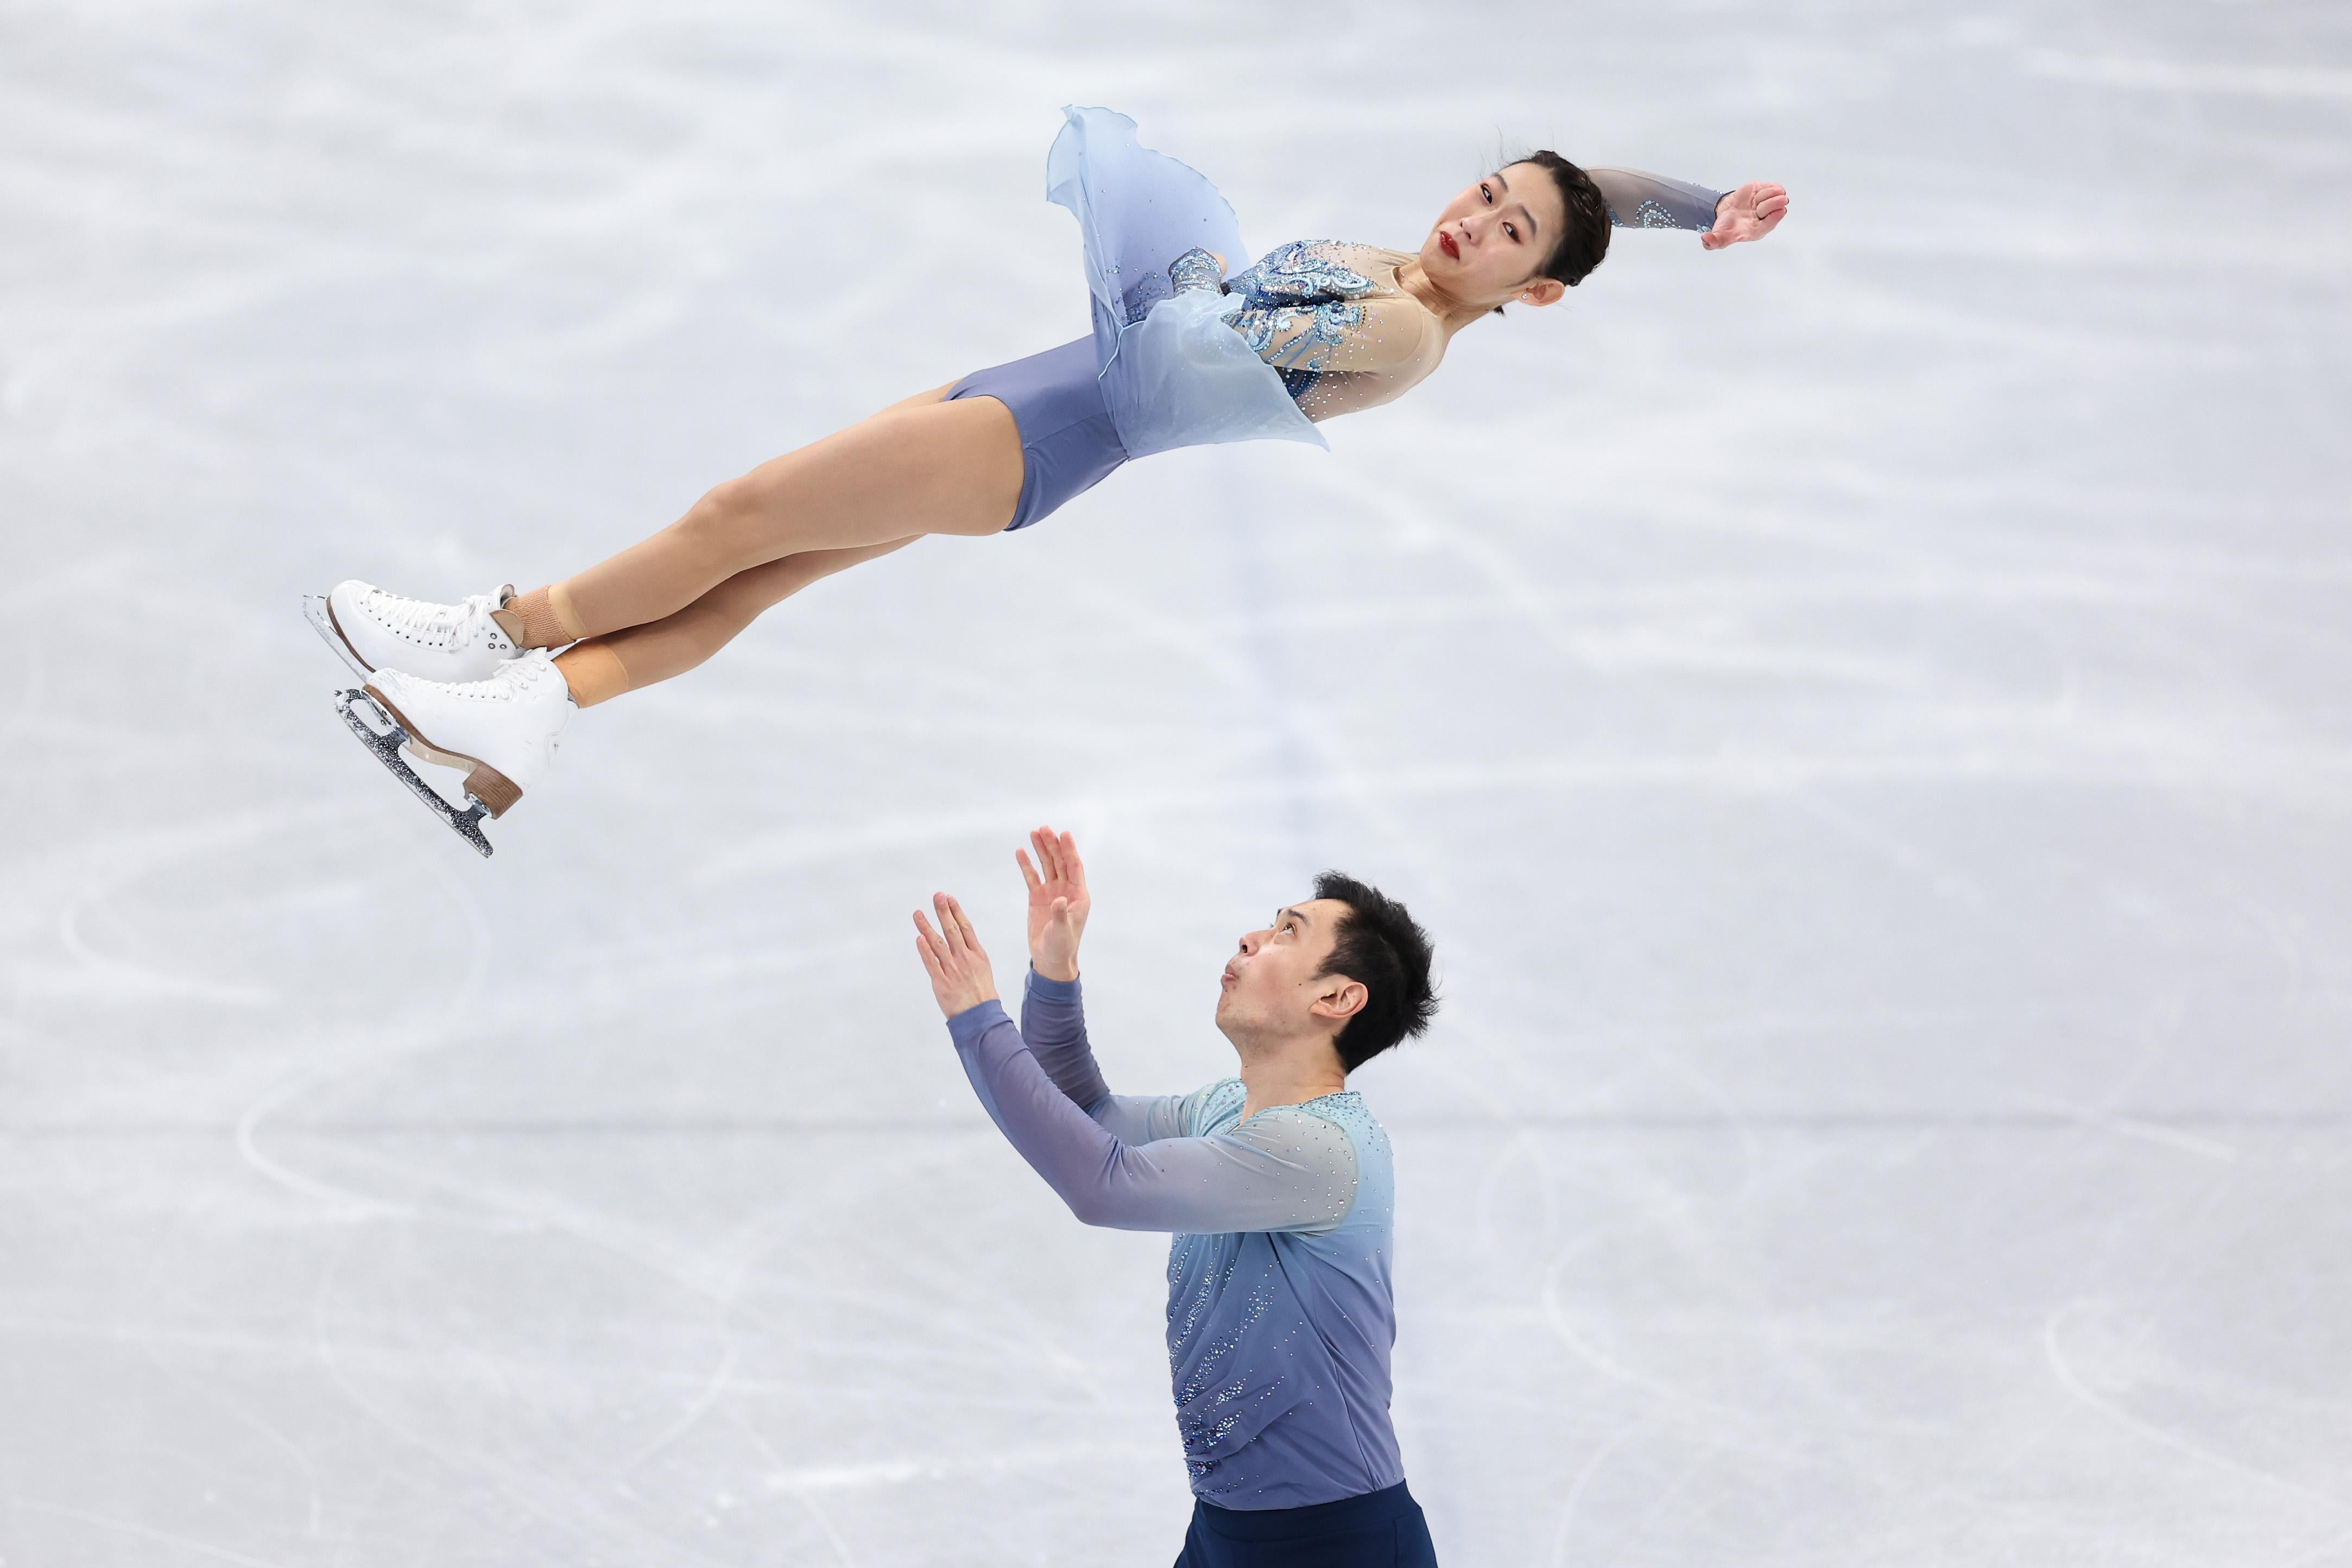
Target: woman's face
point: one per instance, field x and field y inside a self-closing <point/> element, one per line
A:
<point x="1485" y="245"/>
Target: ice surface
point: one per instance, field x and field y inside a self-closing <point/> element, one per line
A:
<point x="1865" y="716"/>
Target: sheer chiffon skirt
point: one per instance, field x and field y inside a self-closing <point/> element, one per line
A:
<point x="1174" y="371"/>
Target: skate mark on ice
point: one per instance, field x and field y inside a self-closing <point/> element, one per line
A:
<point x="161" y="1537"/>
<point x="1041" y="1458"/>
<point x="2156" y="1133"/>
<point x="577" y="1514"/>
<point x="1939" y="876"/>
<point x="150" y="854"/>
<point x="425" y="1035"/>
<point x="151" y="1347"/>
<point x="1584" y="1474"/>
<point x="1555" y="1311"/>
<point x="2052" y="1331"/>
<point x="1743" y="772"/>
<point x="713" y="1389"/>
<point x="346" y="1203"/>
<point x="1524" y="1150"/>
<point x="765" y="1239"/>
<point x="781" y="1481"/>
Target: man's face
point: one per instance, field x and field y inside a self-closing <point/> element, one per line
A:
<point x="1271" y="985"/>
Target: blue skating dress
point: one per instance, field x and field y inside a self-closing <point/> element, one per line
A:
<point x="1182" y="357"/>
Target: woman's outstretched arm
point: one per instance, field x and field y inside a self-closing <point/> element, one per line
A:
<point x="1640" y="200"/>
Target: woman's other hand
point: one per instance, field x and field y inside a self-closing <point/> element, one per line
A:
<point x="1751" y="212"/>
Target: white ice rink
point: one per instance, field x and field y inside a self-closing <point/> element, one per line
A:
<point x="1867" y="718"/>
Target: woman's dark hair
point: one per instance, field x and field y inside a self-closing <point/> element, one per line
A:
<point x="1378" y="945"/>
<point x="1584" y="242"/>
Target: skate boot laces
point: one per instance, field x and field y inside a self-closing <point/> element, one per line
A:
<point x="422" y="620"/>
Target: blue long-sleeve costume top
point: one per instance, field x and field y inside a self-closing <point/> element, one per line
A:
<point x="1280" y="1312"/>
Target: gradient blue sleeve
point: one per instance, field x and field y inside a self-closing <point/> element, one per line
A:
<point x="1637" y="200"/>
<point x="1054" y="1022"/>
<point x="1282" y="1170"/>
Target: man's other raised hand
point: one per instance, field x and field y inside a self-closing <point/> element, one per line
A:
<point x="1058" y="903"/>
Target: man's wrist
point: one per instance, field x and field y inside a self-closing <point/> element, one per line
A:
<point x="1059" y="985"/>
<point x="967" y="1025"/>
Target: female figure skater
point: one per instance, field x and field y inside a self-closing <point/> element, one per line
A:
<point x="1181" y="355"/>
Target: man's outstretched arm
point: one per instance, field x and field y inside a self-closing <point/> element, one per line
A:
<point x="1283" y="1170"/>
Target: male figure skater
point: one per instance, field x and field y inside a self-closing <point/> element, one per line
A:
<point x="1276" y="1184"/>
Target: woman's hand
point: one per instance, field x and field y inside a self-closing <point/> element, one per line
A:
<point x="1058" y="904"/>
<point x="1197" y="269"/>
<point x="1751" y="212"/>
<point x="961" y="976"/>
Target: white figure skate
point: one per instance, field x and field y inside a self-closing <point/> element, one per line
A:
<point x="372" y="630"/>
<point x="503" y="730"/>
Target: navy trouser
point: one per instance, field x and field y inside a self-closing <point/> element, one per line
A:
<point x="1378" y="1529"/>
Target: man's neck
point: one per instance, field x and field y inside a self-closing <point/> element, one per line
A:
<point x="1289" y="1072"/>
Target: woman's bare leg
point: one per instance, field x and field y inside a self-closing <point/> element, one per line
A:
<point x="923" y="466"/>
<point x="625" y="660"/>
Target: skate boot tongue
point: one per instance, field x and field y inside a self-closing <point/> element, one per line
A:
<point x="509" y="621"/>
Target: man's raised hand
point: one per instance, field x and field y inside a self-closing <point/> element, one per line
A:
<point x="1058" y="903"/>
<point x="961" y="976"/>
<point x="1751" y="212"/>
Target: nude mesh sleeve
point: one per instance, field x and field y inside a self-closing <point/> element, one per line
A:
<point x="1284" y="1170"/>
<point x="1637" y="200"/>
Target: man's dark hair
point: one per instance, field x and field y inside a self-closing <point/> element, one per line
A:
<point x="1378" y="945"/>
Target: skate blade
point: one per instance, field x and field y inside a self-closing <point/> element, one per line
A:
<point x="485" y="785"/>
<point x="322" y="621"/>
<point x="386" y="743"/>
